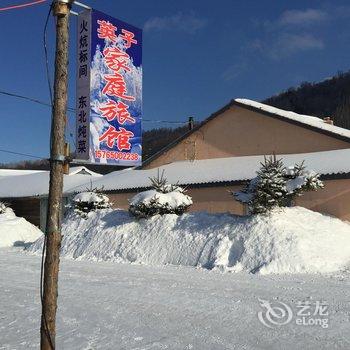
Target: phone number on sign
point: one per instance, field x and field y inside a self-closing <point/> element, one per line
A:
<point x="116" y="155"/>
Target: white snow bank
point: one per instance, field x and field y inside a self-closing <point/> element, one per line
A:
<point x="16" y="230"/>
<point x="295" y="240"/>
<point x="172" y="199"/>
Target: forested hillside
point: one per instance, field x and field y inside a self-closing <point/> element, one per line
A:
<point x="330" y="97"/>
<point x="326" y="98"/>
<point x="155" y="139"/>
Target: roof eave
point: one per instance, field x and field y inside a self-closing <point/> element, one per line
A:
<point x="333" y="176"/>
<point x="248" y="107"/>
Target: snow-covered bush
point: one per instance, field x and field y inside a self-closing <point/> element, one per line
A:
<point x="277" y="186"/>
<point x="300" y="180"/>
<point x="3" y="207"/>
<point x="85" y="202"/>
<point x="162" y="199"/>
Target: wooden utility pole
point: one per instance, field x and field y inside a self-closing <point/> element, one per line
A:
<point x="53" y="226"/>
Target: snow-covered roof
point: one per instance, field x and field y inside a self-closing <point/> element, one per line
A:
<point x="300" y="118"/>
<point x="17" y="172"/>
<point x="37" y="183"/>
<point x="82" y="170"/>
<point x="220" y="170"/>
<point x="314" y="123"/>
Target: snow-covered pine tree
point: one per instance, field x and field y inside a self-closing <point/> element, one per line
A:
<point x="300" y="180"/>
<point x="295" y="180"/>
<point x="270" y="189"/>
<point x="161" y="185"/>
<point x="162" y="199"/>
<point x="313" y="182"/>
<point x="91" y="200"/>
<point x="277" y="186"/>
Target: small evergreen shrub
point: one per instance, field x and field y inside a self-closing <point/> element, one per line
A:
<point x="92" y="200"/>
<point x="277" y="186"/>
<point x="162" y="199"/>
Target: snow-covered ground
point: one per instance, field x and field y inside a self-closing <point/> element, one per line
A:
<point x="124" y="306"/>
<point x="173" y="295"/>
<point x="293" y="240"/>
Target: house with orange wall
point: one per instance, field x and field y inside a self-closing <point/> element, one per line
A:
<point x="223" y="152"/>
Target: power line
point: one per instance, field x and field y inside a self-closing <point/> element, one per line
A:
<point x="21" y="5"/>
<point x="31" y="99"/>
<point x="25" y="98"/>
<point x="71" y="109"/>
<point x="20" y="154"/>
<point x="162" y="121"/>
<point x="47" y="56"/>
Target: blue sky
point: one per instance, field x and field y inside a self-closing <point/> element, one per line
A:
<point x="197" y="55"/>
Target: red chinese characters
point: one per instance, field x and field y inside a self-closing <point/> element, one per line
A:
<point x="116" y="59"/>
<point x="106" y="30"/>
<point x="116" y="86"/>
<point x="113" y="110"/>
<point x="120" y="137"/>
<point x="128" y="37"/>
<point x="116" y="109"/>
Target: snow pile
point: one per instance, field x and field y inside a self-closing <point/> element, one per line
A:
<point x="90" y="197"/>
<point x="15" y="230"/>
<point x="172" y="200"/>
<point x="292" y="240"/>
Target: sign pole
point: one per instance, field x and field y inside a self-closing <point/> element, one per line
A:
<point x="61" y="10"/>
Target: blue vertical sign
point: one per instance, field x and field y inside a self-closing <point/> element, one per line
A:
<point x="109" y="90"/>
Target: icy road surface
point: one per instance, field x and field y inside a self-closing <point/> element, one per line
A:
<point x="122" y="306"/>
